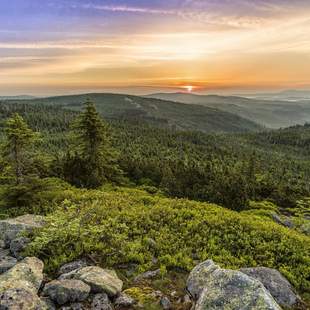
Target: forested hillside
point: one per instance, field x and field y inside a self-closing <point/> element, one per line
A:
<point x="161" y="113"/>
<point x="273" y="113"/>
<point x="128" y="194"/>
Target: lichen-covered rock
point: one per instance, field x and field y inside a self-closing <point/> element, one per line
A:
<point x="198" y="277"/>
<point x="10" y="229"/>
<point x="123" y="301"/>
<point x="100" y="280"/>
<point x="6" y="263"/>
<point x="19" y="299"/>
<point x="63" y="291"/>
<point x="218" y="288"/>
<point x="276" y="284"/>
<point x="18" y="245"/>
<point x="27" y="274"/>
<point x="75" y="265"/>
<point x="101" y="302"/>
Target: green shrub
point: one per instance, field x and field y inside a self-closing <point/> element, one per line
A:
<point x="113" y="228"/>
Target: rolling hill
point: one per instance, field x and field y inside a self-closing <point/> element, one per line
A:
<point x="269" y="113"/>
<point x="161" y="113"/>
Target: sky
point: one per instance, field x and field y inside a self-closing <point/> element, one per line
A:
<point x="67" y="46"/>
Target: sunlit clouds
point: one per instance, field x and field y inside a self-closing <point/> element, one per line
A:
<point x="209" y="45"/>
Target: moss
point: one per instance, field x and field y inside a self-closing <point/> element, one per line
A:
<point x="144" y="297"/>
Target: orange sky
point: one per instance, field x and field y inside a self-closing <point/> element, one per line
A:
<point x="157" y="48"/>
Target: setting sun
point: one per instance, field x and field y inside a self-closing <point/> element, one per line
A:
<point x="189" y="88"/>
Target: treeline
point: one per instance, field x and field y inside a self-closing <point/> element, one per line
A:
<point x="226" y="169"/>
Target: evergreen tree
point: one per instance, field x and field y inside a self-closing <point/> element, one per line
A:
<point x="18" y="146"/>
<point x="94" y="160"/>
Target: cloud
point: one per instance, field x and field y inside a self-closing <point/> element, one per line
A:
<point x="128" y="9"/>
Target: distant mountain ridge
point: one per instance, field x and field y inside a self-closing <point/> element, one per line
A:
<point x="287" y="95"/>
<point x="161" y="113"/>
<point x="269" y="113"/>
<point x="19" y="97"/>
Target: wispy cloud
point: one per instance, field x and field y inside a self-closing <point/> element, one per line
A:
<point x="127" y="9"/>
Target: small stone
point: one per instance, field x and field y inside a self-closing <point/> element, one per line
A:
<point x="63" y="291"/>
<point x="165" y="303"/>
<point x="18" y="245"/>
<point x="69" y="267"/>
<point x="101" y="302"/>
<point x="124" y="301"/>
<point x="147" y="275"/>
<point x="2" y="244"/>
<point x="6" y="263"/>
<point x="74" y="306"/>
<point x="277" y="218"/>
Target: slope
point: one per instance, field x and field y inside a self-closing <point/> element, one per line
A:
<point x="161" y="113"/>
<point x="272" y="114"/>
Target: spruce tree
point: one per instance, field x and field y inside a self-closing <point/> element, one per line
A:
<point x="17" y="148"/>
<point x="94" y="161"/>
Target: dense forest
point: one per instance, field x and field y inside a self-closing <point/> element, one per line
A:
<point x="240" y="198"/>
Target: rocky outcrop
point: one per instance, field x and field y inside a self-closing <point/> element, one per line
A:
<point x="10" y="229"/>
<point x="63" y="291"/>
<point x="216" y="288"/>
<point x="276" y="284"/>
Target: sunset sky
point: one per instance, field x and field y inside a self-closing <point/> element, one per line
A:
<point x="65" y="46"/>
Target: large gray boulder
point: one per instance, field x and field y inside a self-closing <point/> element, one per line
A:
<point x="63" y="291"/>
<point x="10" y="229"/>
<point x="215" y="288"/>
<point x="100" y="280"/>
<point x="276" y="284"/>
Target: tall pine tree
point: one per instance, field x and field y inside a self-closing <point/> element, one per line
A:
<point x="18" y="147"/>
<point x="94" y="160"/>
